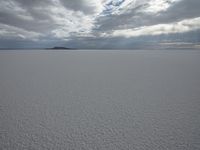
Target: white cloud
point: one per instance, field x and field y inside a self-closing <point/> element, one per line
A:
<point x="155" y="6"/>
<point x="178" y="27"/>
<point x="69" y="22"/>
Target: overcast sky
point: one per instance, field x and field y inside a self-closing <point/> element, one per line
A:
<point x="97" y="23"/>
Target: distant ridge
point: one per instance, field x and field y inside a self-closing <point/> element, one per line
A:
<point x="59" y="47"/>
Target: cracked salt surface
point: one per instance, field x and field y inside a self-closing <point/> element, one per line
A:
<point x="100" y="100"/>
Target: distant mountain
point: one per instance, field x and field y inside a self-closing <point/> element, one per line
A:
<point x="58" y="47"/>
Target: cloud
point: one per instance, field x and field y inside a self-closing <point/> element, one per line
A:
<point x="47" y="18"/>
<point x="85" y="6"/>
<point x="147" y="13"/>
<point x="93" y="20"/>
<point x="10" y="32"/>
<point x="178" y="27"/>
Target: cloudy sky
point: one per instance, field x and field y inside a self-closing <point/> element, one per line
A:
<point x="97" y="23"/>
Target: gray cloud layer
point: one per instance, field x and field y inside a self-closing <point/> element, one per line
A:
<point x="96" y="22"/>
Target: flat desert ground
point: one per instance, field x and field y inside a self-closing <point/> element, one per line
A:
<point x="100" y="100"/>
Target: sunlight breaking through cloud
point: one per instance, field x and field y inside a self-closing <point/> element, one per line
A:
<point x="85" y="19"/>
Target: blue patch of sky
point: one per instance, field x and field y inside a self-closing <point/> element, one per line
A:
<point x="111" y="5"/>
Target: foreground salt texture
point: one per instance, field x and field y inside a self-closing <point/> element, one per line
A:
<point x="100" y="100"/>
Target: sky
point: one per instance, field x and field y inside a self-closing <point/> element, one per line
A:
<point x="100" y="24"/>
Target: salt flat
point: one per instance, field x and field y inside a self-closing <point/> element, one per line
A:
<point x="100" y="100"/>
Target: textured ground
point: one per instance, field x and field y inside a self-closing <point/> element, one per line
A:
<point x="100" y="100"/>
